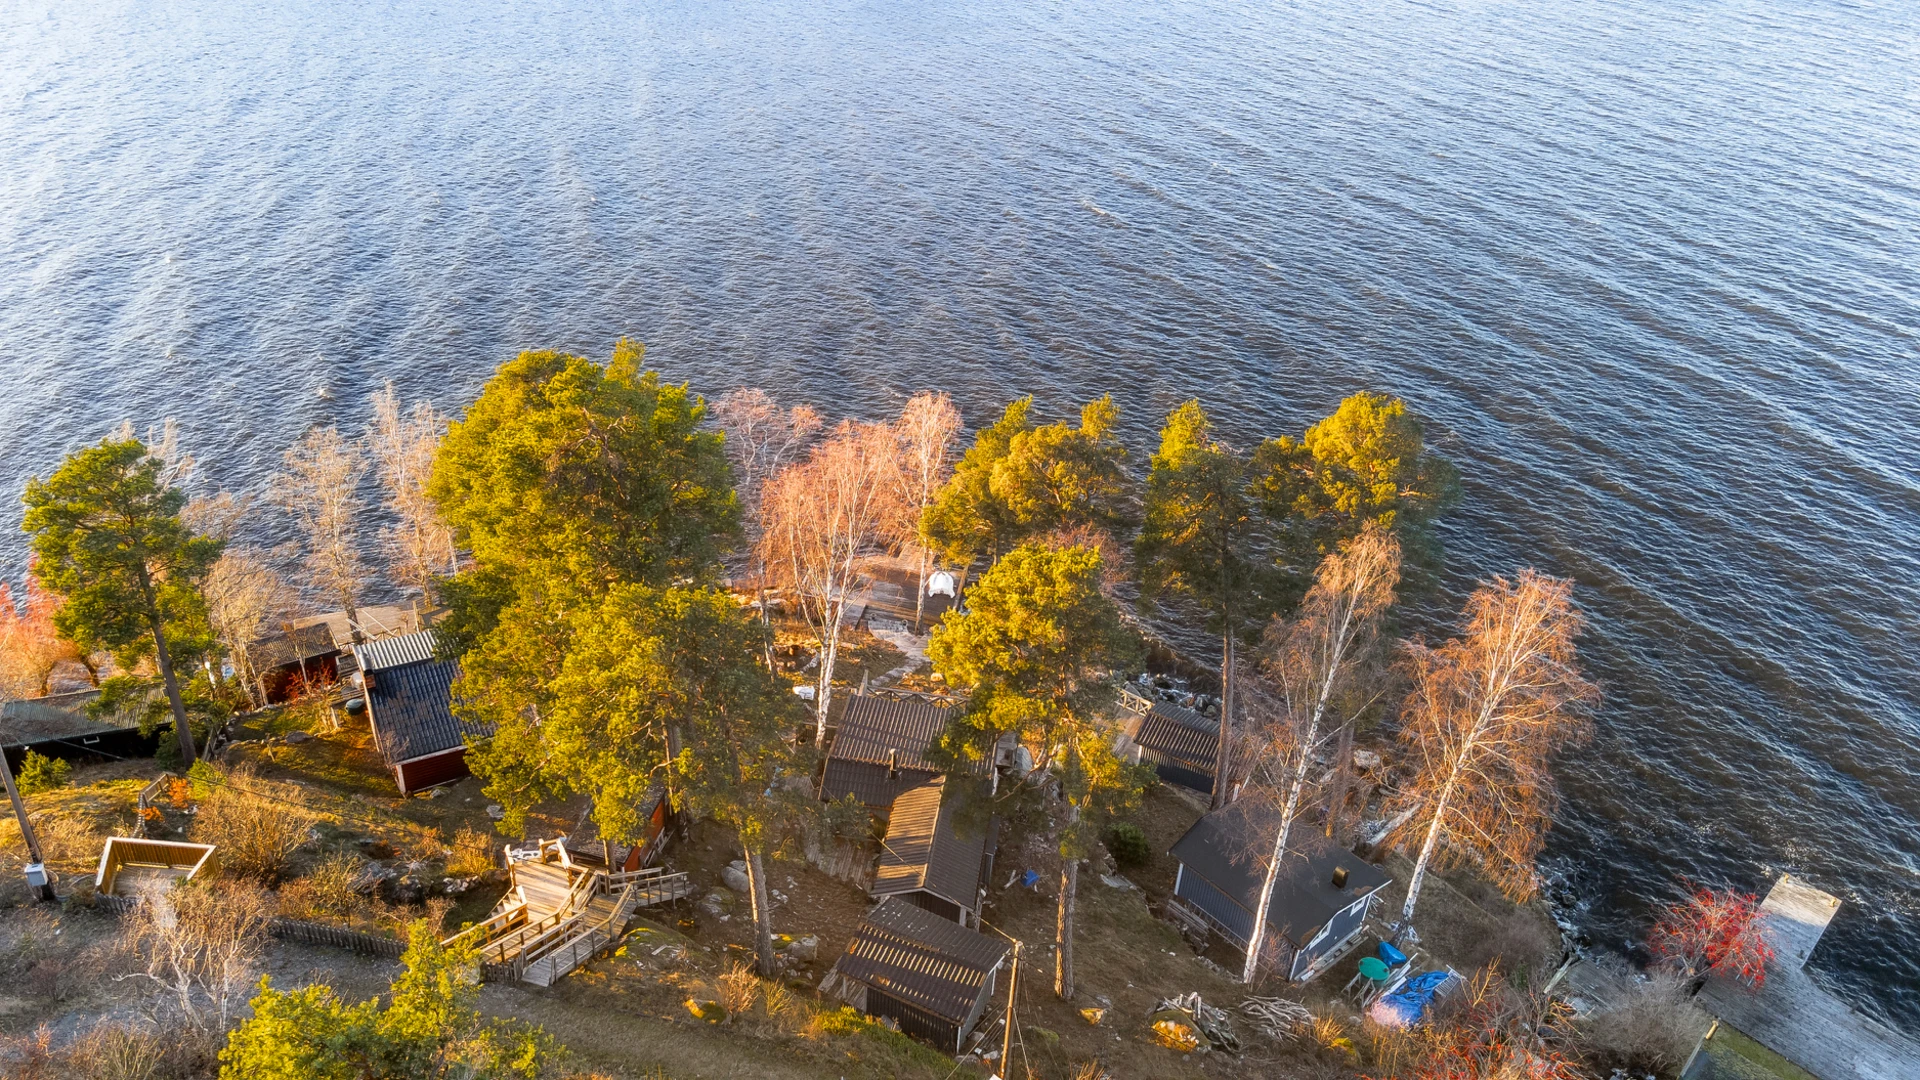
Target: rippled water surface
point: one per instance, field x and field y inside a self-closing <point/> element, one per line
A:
<point x="1648" y="266"/>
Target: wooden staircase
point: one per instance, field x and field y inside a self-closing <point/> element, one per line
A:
<point x="558" y="914"/>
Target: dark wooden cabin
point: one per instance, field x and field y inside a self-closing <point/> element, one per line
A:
<point x="931" y="859"/>
<point x="1319" y="902"/>
<point x="933" y="977"/>
<point x="1179" y="743"/>
<point x="880" y="749"/>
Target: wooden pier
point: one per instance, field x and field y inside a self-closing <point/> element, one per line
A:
<point x="1793" y="1016"/>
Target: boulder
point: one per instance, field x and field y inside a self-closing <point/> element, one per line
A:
<point x="735" y="877"/>
<point x="804" y="948"/>
<point x="1366" y="760"/>
<point x="295" y="738"/>
<point x="496" y="811"/>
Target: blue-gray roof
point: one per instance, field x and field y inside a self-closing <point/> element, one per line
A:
<point x="412" y="707"/>
<point x="395" y="651"/>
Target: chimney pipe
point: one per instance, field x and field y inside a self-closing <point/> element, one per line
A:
<point x="1339" y="877"/>
<point x="893" y="764"/>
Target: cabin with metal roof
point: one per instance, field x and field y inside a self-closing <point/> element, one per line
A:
<point x="880" y="749"/>
<point x="1320" y="900"/>
<point x="1180" y="744"/>
<point x="409" y="698"/>
<point x="931" y="858"/>
<point x="284" y="664"/>
<point x="932" y="977"/>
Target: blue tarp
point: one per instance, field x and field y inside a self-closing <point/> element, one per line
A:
<point x="1404" y="1007"/>
<point x="1391" y="956"/>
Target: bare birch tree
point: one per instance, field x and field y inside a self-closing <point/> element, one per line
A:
<point x="1314" y="656"/>
<point x="927" y="430"/>
<point x="1486" y="712"/>
<point x="201" y="947"/>
<point x="245" y="598"/>
<point x="762" y="438"/>
<point x="321" y="489"/>
<point x="419" y="546"/>
<point x="817" y="516"/>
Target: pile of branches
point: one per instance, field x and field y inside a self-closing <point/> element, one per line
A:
<point x="1278" y="1018"/>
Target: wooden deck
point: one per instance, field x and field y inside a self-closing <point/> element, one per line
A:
<point x="1797" y="1019"/>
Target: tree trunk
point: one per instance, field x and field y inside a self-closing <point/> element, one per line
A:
<point x="1222" y="759"/>
<point x="762" y="913"/>
<point x="1426" y="854"/>
<point x="1342" y="780"/>
<point x="823" y="692"/>
<point x="1063" y="924"/>
<point x="165" y="661"/>
<point x="920" y="598"/>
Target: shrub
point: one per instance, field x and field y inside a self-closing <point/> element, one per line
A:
<point x="1128" y="844"/>
<point x="738" y="988"/>
<point x="1714" y="932"/>
<point x="255" y="825"/>
<point x="1650" y="1030"/>
<point x="113" y="1052"/>
<point x="472" y="853"/>
<point x="326" y="893"/>
<point x="39" y="773"/>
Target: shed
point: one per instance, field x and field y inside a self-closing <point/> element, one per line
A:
<point x="930" y="858"/>
<point x="136" y="868"/>
<point x="1320" y="900"/>
<point x="880" y="749"/>
<point x="1180" y="744"/>
<point x="932" y="977"/>
<point x="57" y="726"/>
<point x="284" y="663"/>
<point x="410" y="705"/>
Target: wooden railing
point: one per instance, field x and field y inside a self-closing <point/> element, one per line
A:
<point x="147" y="797"/>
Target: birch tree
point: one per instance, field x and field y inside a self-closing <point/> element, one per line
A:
<point x="245" y="598"/>
<point x="1314" y="656"/>
<point x="1486" y="712"/>
<point x="321" y="490"/>
<point x="817" y="516"/>
<point x="30" y="644"/>
<point x="762" y="439"/>
<point x="926" y="432"/>
<point x="419" y="545"/>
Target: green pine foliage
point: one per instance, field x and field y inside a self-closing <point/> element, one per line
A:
<point x="40" y="773"/>
<point x="429" y="1028"/>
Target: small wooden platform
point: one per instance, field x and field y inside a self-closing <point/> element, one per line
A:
<point x="1797" y="1019"/>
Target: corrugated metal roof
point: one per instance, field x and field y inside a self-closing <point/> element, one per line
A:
<point x="1227" y="847"/>
<point x="927" y="849"/>
<point x="1181" y="734"/>
<point x="872" y="727"/>
<point x="412" y="707"/>
<point x="394" y="651"/>
<point x="922" y="959"/>
<point x="872" y="784"/>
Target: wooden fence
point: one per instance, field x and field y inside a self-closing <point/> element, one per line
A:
<point x="337" y="937"/>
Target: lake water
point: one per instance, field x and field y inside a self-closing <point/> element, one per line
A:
<point x="1649" y="267"/>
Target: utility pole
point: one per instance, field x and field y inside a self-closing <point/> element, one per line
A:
<point x="1006" y="1038"/>
<point x="37" y="869"/>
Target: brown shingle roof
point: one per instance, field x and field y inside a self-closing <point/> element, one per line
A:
<point x="927" y="850"/>
<point x="922" y="959"/>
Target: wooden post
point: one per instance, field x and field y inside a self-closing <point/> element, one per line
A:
<point x="44" y="890"/>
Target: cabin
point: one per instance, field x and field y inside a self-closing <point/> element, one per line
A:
<point x="586" y="847"/>
<point x="285" y="664"/>
<point x="57" y="726"/>
<point x="933" y="977"/>
<point x="1180" y="744"/>
<point x="134" y="868"/>
<point x="880" y="749"/>
<point x="931" y="859"/>
<point x="409" y="698"/>
<point x="1319" y="906"/>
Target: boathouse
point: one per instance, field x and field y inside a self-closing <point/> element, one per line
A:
<point x="880" y="749"/>
<point x="1179" y="743"/>
<point x="409" y="698"/>
<point x="932" y="977"/>
<point x="1319" y="905"/>
<point x="932" y="859"/>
